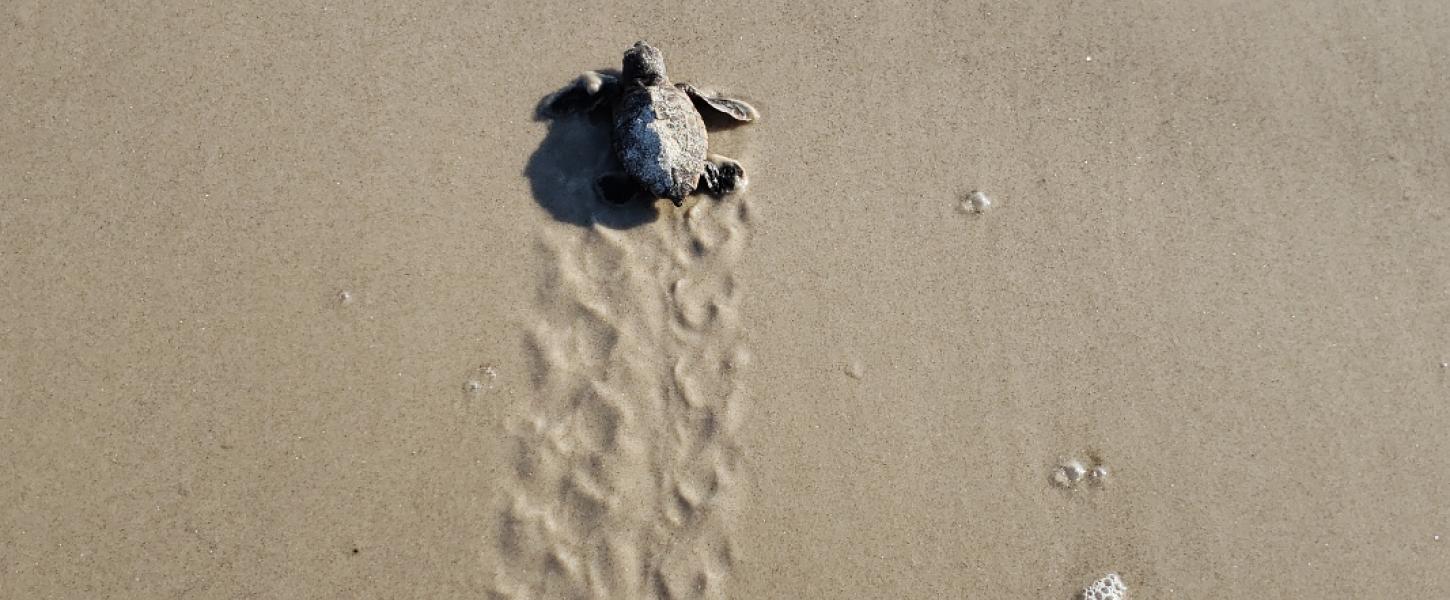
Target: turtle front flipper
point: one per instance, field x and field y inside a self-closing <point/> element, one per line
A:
<point x="586" y="93"/>
<point x="722" y="176"/>
<point x="729" y="107"/>
<point x="617" y="188"/>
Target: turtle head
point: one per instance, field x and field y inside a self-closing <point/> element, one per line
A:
<point x="644" y="63"/>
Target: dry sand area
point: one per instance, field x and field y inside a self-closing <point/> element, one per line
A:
<point x="299" y="300"/>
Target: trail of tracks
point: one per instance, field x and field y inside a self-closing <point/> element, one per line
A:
<point x="625" y="460"/>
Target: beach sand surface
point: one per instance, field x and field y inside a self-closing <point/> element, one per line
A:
<point x="302" y="301"/>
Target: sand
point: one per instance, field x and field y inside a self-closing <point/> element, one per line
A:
<point x="301" y="302"/>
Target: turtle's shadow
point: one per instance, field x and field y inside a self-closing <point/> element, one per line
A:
<point x="561" y="172"/>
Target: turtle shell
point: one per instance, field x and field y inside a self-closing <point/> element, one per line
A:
<point x="660" y="139"/>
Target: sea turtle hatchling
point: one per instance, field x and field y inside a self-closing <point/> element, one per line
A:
<point x="658" y="132"/>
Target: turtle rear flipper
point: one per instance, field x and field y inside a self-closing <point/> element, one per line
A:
<point x="715" y="103"/>
<point x="722" y="176"/>
<point x="586" y="93"/>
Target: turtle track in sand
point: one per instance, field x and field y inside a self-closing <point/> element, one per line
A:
<point x="625" y="460"/>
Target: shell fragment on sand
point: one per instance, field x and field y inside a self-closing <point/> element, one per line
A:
<point x="1069" y="475"/>
<point x="975" y="203"/>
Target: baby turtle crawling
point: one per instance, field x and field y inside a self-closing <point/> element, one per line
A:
<point x="658" y="133"/>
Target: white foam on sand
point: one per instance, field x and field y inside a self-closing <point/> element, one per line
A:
<point x="1110" y="587"/>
